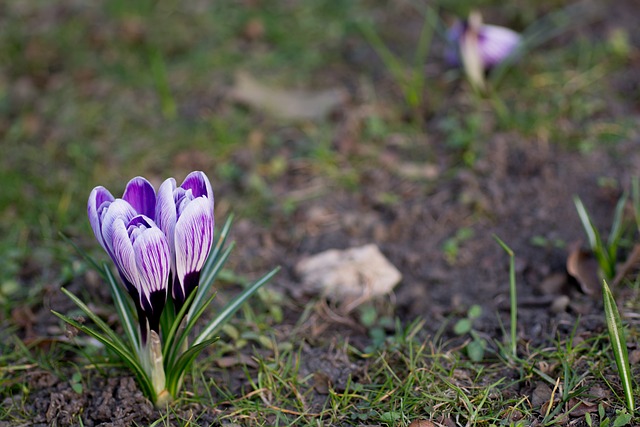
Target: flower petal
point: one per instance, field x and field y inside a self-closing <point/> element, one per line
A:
<point x="496" y="44"/>
<point x="166" y="214"/>
<point x="152" y="258"/>
<point x="141" y="196"/>
<point x="99" y="200"/>
<point x="199" y="185"/>
<point x="117" y="209"/>
<point x="193" y="239"/>
<point x="123" y="253"/>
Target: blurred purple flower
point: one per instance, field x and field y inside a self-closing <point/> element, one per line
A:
<point x="492" y="43"/>
<point x="185" y="214"/>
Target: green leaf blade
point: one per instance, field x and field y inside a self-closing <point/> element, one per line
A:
<point x="619" y="344"/>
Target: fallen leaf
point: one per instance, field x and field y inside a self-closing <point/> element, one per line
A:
<point x="541" y="395"/>
<point x="321" y="383"/>
<point x="285" y="103"/>
<point x="583" y="266"/>
<point x="240" y="359"/>
<point x="348" y="276"/>
<point x="581" y="407"/>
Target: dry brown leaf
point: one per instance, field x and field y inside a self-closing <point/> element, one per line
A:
<point x="583" y="266"/>
<point x="284" y="103"/>
<point x="581" y="407"/>
<point x="321" y="383"/>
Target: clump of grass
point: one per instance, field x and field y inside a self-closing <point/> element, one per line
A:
<point x="410" y="78"/>
<point x="606" y="253"/>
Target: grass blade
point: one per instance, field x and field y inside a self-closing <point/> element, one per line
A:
<point x="219" y="244"/>
<point x="513" y="296"/>
<point x="232" y="307"/>
<point x="169" y="346"/>
<point x="125" y="313"/>
<point x="589" y="228"/>
<point x="206" y="281"/>
<point x="95" y="319"/>
<point x="617" y="227"/>
<point x="618" y="343"/>
<point x="175" y="375"/>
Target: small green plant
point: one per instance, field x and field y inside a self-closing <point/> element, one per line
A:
<point x="618" y="344"/>
<point x="605" y="253"/>
<point x="167" y="258"/>
<point x="451" y="246"/>
<point x="476" y="347"/>
<point x="377" y="325"/>
<point x="76" y="382"/>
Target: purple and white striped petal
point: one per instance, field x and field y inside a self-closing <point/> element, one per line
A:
<point x="152" y="258"/>
<point x="141" y="196"/>
<point x="117" y="209"/>
<point x="123" y="253"/>
<point x="193" y="239"/>
<point x="99" y="200"/>
<point x="166" y="213"/>
<point x="496" y="44"/>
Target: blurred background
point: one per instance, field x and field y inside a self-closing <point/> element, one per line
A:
<point x="282" y="102"/>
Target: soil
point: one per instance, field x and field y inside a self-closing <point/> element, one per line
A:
<point x="519" y="190"/>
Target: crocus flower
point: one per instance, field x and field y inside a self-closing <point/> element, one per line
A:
<point x="185" y="214"/>
<point x="104" y="211"/>
<point x="479" y="47"/>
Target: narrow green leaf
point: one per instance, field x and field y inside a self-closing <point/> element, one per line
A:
<point x="175" y="375"/>
<point x="123" y="307"/>
<point x="232" y="307"/>
<point x="184" y="333"/>
<point x="618" y="343"/>
<point x="127" y="357"/>
<point x="95" y="319"/>
<point x="217" y="247"/>
<point x="169" y="346"/>
<point x="617" y="227"/>
<point x="513" y="296"/>
<point x="587" y="224"/>
<point x="206" y="281"/>
<point x="168" y="316"/>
